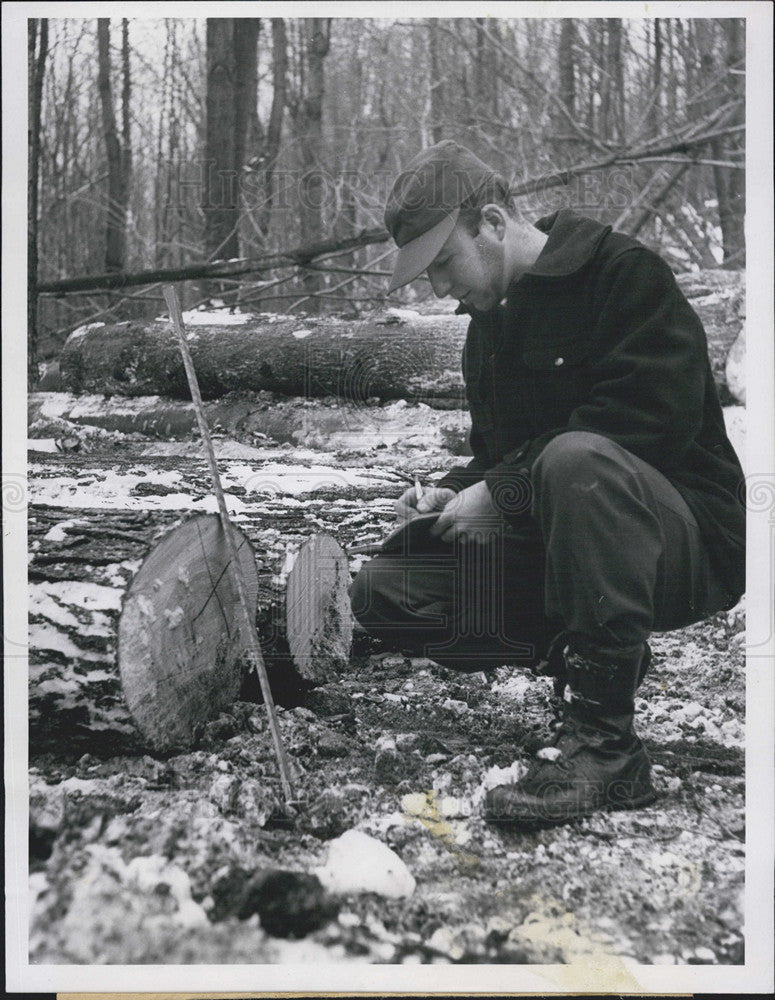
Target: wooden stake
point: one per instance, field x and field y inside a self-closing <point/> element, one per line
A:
<point x="173" y="304"/>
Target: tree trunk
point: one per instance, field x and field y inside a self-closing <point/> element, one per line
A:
<point x="126" y="123"/>
<point x="416" y="360"/>
<point x="309" y="125"/>
<point x="733" y="222"/>
<point x="655" y="110"/>
<point x="437" y="89"/>
<point x="271" y="148"/>
<point x="566" y="65"/>
<point x="35" y="69"/>
<point x="245" y="90"/>
<point x="115" y="233"/>
<point x="615" y="69"/>
<point x="219" y="199"/>
<point x="729" y="182"/>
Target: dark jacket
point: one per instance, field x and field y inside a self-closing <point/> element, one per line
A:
<point x="597" y="336"/>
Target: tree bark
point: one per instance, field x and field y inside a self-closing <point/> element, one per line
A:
<point x="615" y="70"/>
<point x="35" y="70"/>
<point x="245" y="90"/>
<point x="115" y="232"/>
<point x="655" y="110"/>
<point x="219" y="199"/>
<point x="733" y="223"/>
<point x="274" y="129"/>
<point x="306" y="107"/>
<point x="416" y="360"/>
<point x="126" y="125"/>
<point x="729" y="183"/>
<point x="437" y="88"/>
<point x="566" y="64"/>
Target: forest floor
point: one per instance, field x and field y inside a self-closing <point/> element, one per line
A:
<point x="136" y="859"/>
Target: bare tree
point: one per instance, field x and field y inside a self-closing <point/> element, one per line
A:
<point x="219" y="193"/>
<point x="729" y="182"/>
<point x="118" y="192"/>
<point x="126" y="121"/>
<point x="566" y="64"/>
<point x="305" y="104"/>
<point x="264" y="160"/>
<point x="437" y="84"/>
<point x="37" y="49"/>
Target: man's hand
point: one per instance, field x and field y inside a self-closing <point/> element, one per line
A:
<point x="436" y="498"/>
<point x="470" y="516"/>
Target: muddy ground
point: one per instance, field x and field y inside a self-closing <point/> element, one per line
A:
<point x="138" y="859"/>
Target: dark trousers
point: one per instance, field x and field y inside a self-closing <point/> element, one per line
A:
<point x="609" y="552"/>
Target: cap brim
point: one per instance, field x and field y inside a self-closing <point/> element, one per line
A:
<point x="415" y="256"/>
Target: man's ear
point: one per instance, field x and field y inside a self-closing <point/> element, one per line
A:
<point x="494" y="216"/>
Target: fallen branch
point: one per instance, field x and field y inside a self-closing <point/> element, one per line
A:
<point x="217" y="269"/>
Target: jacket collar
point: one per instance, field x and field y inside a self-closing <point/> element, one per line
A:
<point x="573" y="241"/>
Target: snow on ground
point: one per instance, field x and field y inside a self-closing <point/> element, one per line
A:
<point x="396" y="748"/>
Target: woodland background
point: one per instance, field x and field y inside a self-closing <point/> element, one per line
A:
<point x="156" y="146"/>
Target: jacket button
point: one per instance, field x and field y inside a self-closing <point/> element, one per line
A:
<point x="559" y="361"/>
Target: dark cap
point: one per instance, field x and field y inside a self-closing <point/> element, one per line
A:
<point x="425" y="202"/>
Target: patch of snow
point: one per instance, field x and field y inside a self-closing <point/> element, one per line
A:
<point x="41" y="603"/>
<point x="516" y="686"/>
<point x="735" y="422"/>
<point x="82" y="594"/>
<point x="410" y="314"/>
<point x="301" y="334"/>
<point x="495" y="775"/>
<point x="211" y="317"/>
<point x="57" y="533"/>
<point x="81" y="330"/>
<point x="360" y="863"/>
<point x="296" y="479"/>
<point x="42" y="444"/>
<point x="45" y="637"/>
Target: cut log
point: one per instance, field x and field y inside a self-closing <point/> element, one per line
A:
<point x="180" y="646"/>
<point x="318" y="617"/>
<point x="180" y="655"/>
<point x="386" y="358"/>
<point x="83" y="556"/>
<point x="399" y="355"/>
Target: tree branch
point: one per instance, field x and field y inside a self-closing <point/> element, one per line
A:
<point x="245" y="265"/>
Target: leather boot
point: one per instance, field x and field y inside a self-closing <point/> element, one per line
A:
<point x="595" y="761"/>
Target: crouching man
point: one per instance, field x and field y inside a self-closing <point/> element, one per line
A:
<point x="603" y="501"/>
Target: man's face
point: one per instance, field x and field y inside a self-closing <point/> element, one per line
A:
<point x="470" y="268"/>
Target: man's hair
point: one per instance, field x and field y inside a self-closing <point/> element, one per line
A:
<point x="495" y="190"/>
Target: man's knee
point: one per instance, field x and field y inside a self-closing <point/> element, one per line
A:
<point x="575" y="459"/>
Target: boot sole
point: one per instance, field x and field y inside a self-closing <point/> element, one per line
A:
<point x="535" y="823"/>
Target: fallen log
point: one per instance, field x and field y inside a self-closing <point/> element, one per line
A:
<point x="130" y="655"/>
<point x="385" y="358"/>
<point x="398" y="355"/>
<point x="83" y="560"/>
